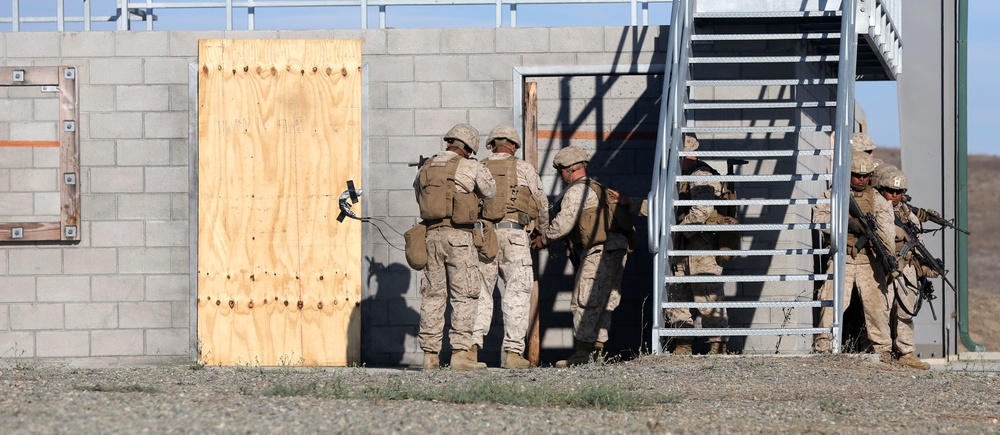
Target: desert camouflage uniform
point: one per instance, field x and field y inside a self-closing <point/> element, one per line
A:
<point x="699" y="265"/>
<point x="513" y="265"/>
<point x="865" y="271"/>
<point x="452" y="273"/>
<point x="597" y="290"/>
<point x="901" y="322"/>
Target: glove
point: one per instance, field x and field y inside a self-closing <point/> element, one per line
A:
<point x="928" y="272"/>
<point x="854" y="225"/>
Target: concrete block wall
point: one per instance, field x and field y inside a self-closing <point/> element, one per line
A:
<point x="122" y="295"/>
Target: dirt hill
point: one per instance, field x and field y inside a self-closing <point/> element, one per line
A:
<point x="984" y="246"/>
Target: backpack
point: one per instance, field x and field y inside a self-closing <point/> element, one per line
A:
<point x="438" y="198"/>
<point x="721" y="215"/>
<point x="608" y="217"/>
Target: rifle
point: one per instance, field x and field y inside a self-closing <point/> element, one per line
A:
<point x="869" y="236"/>
<point x="419" y="163"/>
<point x="731" y="165"/>
<point x="924" y="258"/>
<point x="926" y="214"/>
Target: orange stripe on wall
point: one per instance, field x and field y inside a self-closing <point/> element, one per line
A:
<point x="30" y="143"/>
<point x="604" y="135"/>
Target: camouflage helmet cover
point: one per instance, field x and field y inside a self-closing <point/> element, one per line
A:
<point x="466" y="134"/>
<point x="570" y="156"/>
<point x="892" y="178"/>
<point x="880" y="169"/>
<point x="862" y="142"/>
<point x="861" y="163"/>
<point x="504" y="132"/>
<point x="690" y="143"/>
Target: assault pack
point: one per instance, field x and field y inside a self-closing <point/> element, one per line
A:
<point x="721" y="214"/>
<point x="510" y="200"/>
<point x="438" y="199"/>
<point x="595" y="223"/>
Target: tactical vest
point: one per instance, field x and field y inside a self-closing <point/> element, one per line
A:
<point x="866" y="202"/>
<point x="684" y="193"/>
<point x="511" y="201"/>
<point x="594" y="223"/>
<point x="439" y="199"/>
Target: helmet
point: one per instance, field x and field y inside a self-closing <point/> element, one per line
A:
<point x="690" y="142"/>
<point x="466" y="134"/>
<point x="880" y="169"/>
<point x="861" y="163"/>
<point x="570" y="156"/>
<point x="862" y="142"/>
<point x="891" y="179"/>
<point x="504" y="132"/>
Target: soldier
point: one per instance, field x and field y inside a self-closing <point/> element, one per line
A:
<point x="698" y="265"/>
<point x="863" y="270"/>
<point x="602" y="249"/>
<point x="449" y="187"/>
<point x="891" y="183"/>
<point x="863" y="142"/>
<point x="519" y="200"/>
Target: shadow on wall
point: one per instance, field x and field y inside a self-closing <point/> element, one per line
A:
<point x="390" y="320"/>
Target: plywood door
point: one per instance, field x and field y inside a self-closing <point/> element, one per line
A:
<point x="279" y="135"/>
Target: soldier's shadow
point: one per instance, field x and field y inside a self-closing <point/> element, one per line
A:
<point x="392" y="324"/>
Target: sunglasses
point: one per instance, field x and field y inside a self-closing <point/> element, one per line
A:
<point x="896" y="191"/>
<point x="857" y="175"/>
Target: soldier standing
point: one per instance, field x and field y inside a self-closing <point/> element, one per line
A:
<point x="602" y="249"/>
<point x="449" y="187"/>
<point x="519" y="200"/>
<point x="891" y="183"/>
<point x="698" y="265"/>
<point x="863" y="269"/>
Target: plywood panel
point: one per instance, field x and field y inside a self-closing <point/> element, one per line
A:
<point x="279" y="136"/>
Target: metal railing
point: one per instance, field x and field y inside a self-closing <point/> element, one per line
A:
<point x="127" y="13"/>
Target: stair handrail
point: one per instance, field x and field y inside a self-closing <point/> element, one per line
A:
<point x="664" y="190"/>
<point x="844" y="129"/>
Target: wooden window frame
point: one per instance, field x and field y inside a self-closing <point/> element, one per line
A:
<point x="67" y="229"/>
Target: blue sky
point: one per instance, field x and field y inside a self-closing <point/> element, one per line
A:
<point x="878" y="99"/>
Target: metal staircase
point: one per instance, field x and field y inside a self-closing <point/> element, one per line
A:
<point x="770" y="86"/>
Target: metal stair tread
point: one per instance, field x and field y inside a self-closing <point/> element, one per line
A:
<point x="763" y="82"/>
<point x="756" y="178"/>
<point x="725" y="332"/>
<point x="759" y="129"/>
<point x="746" y="252"/>
<point x="768" y="14"/>
<point x="752" y="201"/>
<point x="750" y="278"/>
<point x="758" y="153"/>
<point x="765" y="59"/>
<point x="746" y="227"/>
<point x="751" y="304"/>
<point x="761" y="105"/>
<point x="764" y="36"/>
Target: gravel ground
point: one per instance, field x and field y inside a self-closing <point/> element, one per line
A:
<point x="658" y="394"/>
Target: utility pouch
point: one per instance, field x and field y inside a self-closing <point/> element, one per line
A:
<point x="484" y="237"/>
<point x="416" y="246"/>
<point x="729" y="240"/>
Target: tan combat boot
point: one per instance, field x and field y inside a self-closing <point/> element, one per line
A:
<point x="911" y="361"/>
<point x="475" y="352"/>
<point x="581" y="356"/>
<point x="682" y="346"/>
<point x="717" y="348"/>
<point x="431" y="361"/>
<point x="515" y="361"/>
<point x="463" y="360"/>
<point x="823" y="344"/>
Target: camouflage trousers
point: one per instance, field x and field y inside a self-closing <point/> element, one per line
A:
<point x="901" y="322"/>
<point x="698" y="292"/>
<point x="596" y="293"/>
<point x="869" y="278"/>
<point x="452" y="275"/>
<point x="513" y="265"/>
